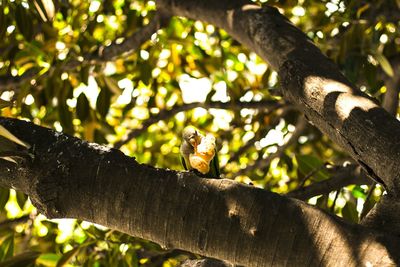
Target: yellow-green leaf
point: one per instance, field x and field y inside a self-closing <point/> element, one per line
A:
<point x="66" y="257"/>
<point x="46" y="9"/>
<point x="387" y="68"/>
<point x="5" y="133"/>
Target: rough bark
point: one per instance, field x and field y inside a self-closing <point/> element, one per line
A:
<point x="349" y="117"/>
<point x="70" y="178"/>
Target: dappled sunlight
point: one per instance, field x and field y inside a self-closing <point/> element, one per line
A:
<point x="345" y="103"/>
<point x="130" y="75"/>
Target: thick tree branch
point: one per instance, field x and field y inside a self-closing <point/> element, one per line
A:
<point x="349" y="117"/>
<point x="104" y="54"/>
<point x="383" y="214"/>
<point x="168" y="113"/>
<point x="219" y="218"/>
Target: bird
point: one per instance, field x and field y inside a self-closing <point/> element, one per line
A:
<point x="199" y="153"/>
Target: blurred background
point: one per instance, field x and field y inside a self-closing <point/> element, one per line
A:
<point x="188" y="73"/>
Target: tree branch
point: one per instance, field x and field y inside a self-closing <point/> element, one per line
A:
<point x="219" y="218"/>
<point x="349" y="117"/>
<point x="168" y="113"/>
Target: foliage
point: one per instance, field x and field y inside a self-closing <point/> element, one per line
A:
<point x="187" y="61"/>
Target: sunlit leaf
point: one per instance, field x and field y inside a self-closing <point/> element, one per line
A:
<point x="6" y="247"/>
<point x="5" y="133"/>
<point x="384" y="63"/>
<point x="358" y="192"/>
<point x="48" y="259"/>
<point x="46" y="9"/>
<point x="66" y="257"/>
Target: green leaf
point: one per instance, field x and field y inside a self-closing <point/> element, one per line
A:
<point x="24" y="259"/>
<point x="82" y="107"/>
<point x="131" y="258"/>
<point x="4" y="196"/>
<point x="95" y="233"/>
<point x="46" y="9"/>
<point x="7" y="248"/>
<point x="66" y="257"/>
<point x="358" y="192"/>
<point x="387" y="68"/>
<point x="103" y="102"/>
<point x="24" y="22"/>
<point x="65" y="117"/>
<point x="349" y="212"/>
<point x="308" y="164"/>
<point x="48" y="259"/>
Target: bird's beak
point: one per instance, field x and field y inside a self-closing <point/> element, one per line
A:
<point x="193" y="142"/>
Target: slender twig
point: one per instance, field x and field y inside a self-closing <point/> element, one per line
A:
<point x="168" y="113"/>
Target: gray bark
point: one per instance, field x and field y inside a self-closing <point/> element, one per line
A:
<point x="218" y="218"/>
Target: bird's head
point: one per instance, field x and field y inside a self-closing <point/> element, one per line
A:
<point x="191" y="136"/>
